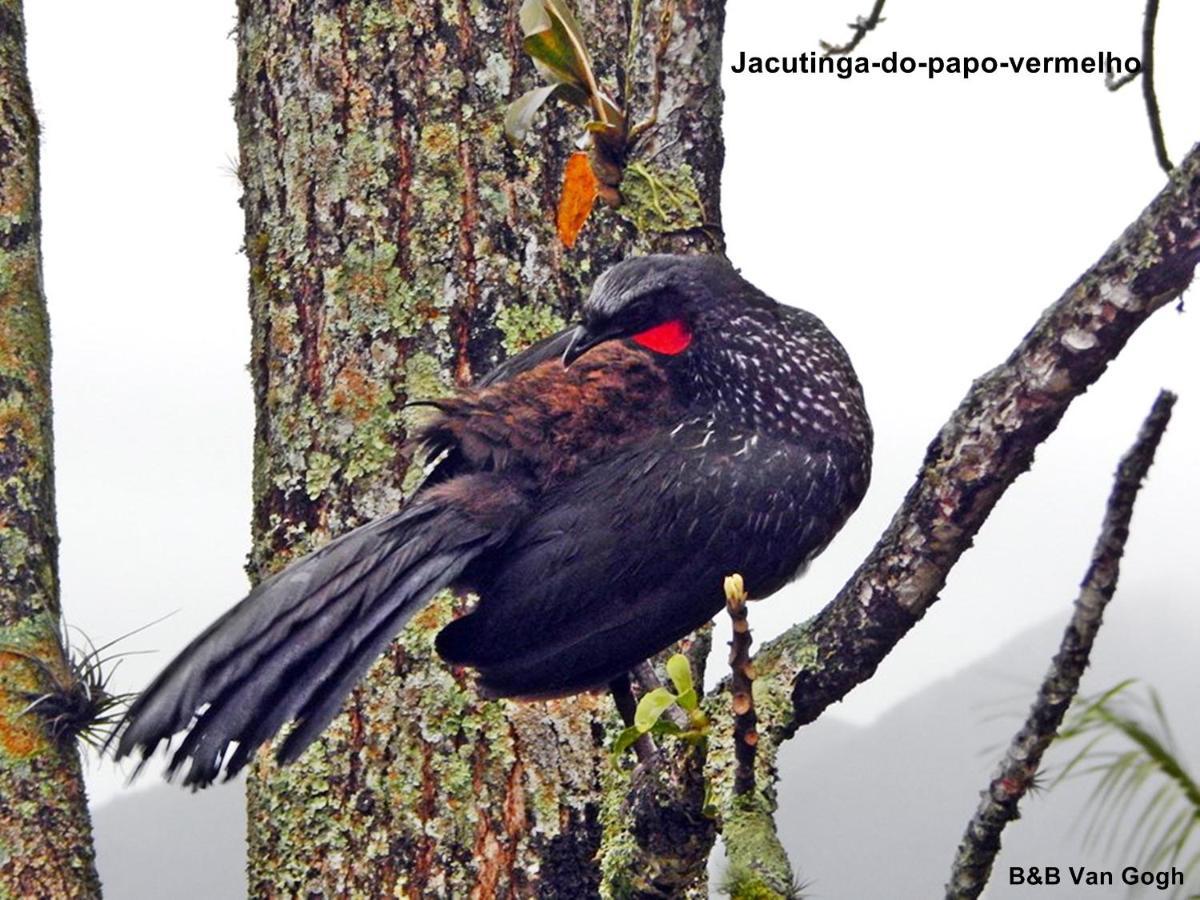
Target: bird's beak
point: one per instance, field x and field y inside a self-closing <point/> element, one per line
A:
<point x="582" y="341"/>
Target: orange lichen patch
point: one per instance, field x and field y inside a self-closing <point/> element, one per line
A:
<point x="439" y="141"/>
<point x="368" y="282"/>
<point x="283" y="334"/>
<point x="20" y="738"/>
<point x="579" y="191"/>
<point x="354" y="394"/>
<point x="16" y="197"/>
<point x="20" y="734"/>
<point x="431" y="618"/>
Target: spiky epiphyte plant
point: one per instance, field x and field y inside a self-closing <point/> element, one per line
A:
<point x="75" y="702"/>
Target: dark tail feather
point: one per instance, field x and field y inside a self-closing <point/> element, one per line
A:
<point x="299" y="642"/>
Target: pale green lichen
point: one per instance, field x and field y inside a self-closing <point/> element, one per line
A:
<point x="660" y="200"/>
<point x="758" y="865"/>
<point x="619" y="847"/>
<point x="319" y="473"/>
<point x="425" y="377"/>
<point x="526" y="324"/>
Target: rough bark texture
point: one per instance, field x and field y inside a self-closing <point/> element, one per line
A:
<point x="45" y="832"/>
<point x="399" y="246"/>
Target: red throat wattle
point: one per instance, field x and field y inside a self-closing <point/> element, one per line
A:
<point x="671" y="337"/>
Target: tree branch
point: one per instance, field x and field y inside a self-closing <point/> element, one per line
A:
<point x="758" y="862"/>
<point x="980" y="451"/>
<point x="981" y="841"/>
<point x="45" y="830"/>
<point x="1115" y="84"/>
<point x="1148" y="93"/>
<point x="861" y="27"/>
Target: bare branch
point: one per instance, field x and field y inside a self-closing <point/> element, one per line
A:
<point x="861" y="27"/>
<point x="741" y="687"/>
<point x="998" y="807"/>
<point x="1148" y="94"/>
<point x="1115" y="84"/>
<point x="988" y="441"/>
<point x="758" y="862"/>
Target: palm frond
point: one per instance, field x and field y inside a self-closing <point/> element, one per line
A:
<point x="1129" y="750"/>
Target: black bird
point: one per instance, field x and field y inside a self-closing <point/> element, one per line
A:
<point x="593" y="491"/>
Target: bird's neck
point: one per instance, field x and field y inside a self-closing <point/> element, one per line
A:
<point x="781" y="375"/>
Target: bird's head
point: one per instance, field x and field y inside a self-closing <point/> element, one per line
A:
<point x="656" y="301"/>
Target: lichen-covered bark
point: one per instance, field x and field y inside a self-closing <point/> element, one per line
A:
<point x="45" y="832"/>
<point x="398" y="247"/>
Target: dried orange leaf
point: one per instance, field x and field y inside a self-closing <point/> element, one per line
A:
<point x="579" y="191"/>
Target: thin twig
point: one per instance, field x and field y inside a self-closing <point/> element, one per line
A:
<point x="1152" y="113"/>
<point x="1115" y="84"/>
<point x="741" y="687"/>
<point x="1015" y="774"/>
<point x="861" y="26"/>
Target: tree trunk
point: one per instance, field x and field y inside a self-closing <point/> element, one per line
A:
<point x="400" y="247"/>
<point x="45" y="832"/>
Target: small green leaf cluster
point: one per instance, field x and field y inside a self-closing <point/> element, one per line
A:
<point x="650" y="716"/>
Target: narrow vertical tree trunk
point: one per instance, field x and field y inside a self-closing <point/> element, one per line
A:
<point x="398" y="247"/>
<point x="45" y="832"/>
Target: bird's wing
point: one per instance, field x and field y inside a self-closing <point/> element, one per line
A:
<point x="548" y="348"/>
<point x="615" y="564"/>
<point x="439" y="447"/>
<point x="552" y="421"/>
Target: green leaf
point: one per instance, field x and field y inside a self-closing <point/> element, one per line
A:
<point x="651" y="707"/>
<point x="625" y="740"/>
<point x="518" y="118"/>
<point x="553" y="40"/>
<point x="688" y="700"/>
<point x="1168" y="823"/>
<point x="680" y="673"/>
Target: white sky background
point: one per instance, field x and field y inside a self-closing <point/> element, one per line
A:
<point x="928" y="222"/>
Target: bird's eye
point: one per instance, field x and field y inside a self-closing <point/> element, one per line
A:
<point x="670" y="337"/>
